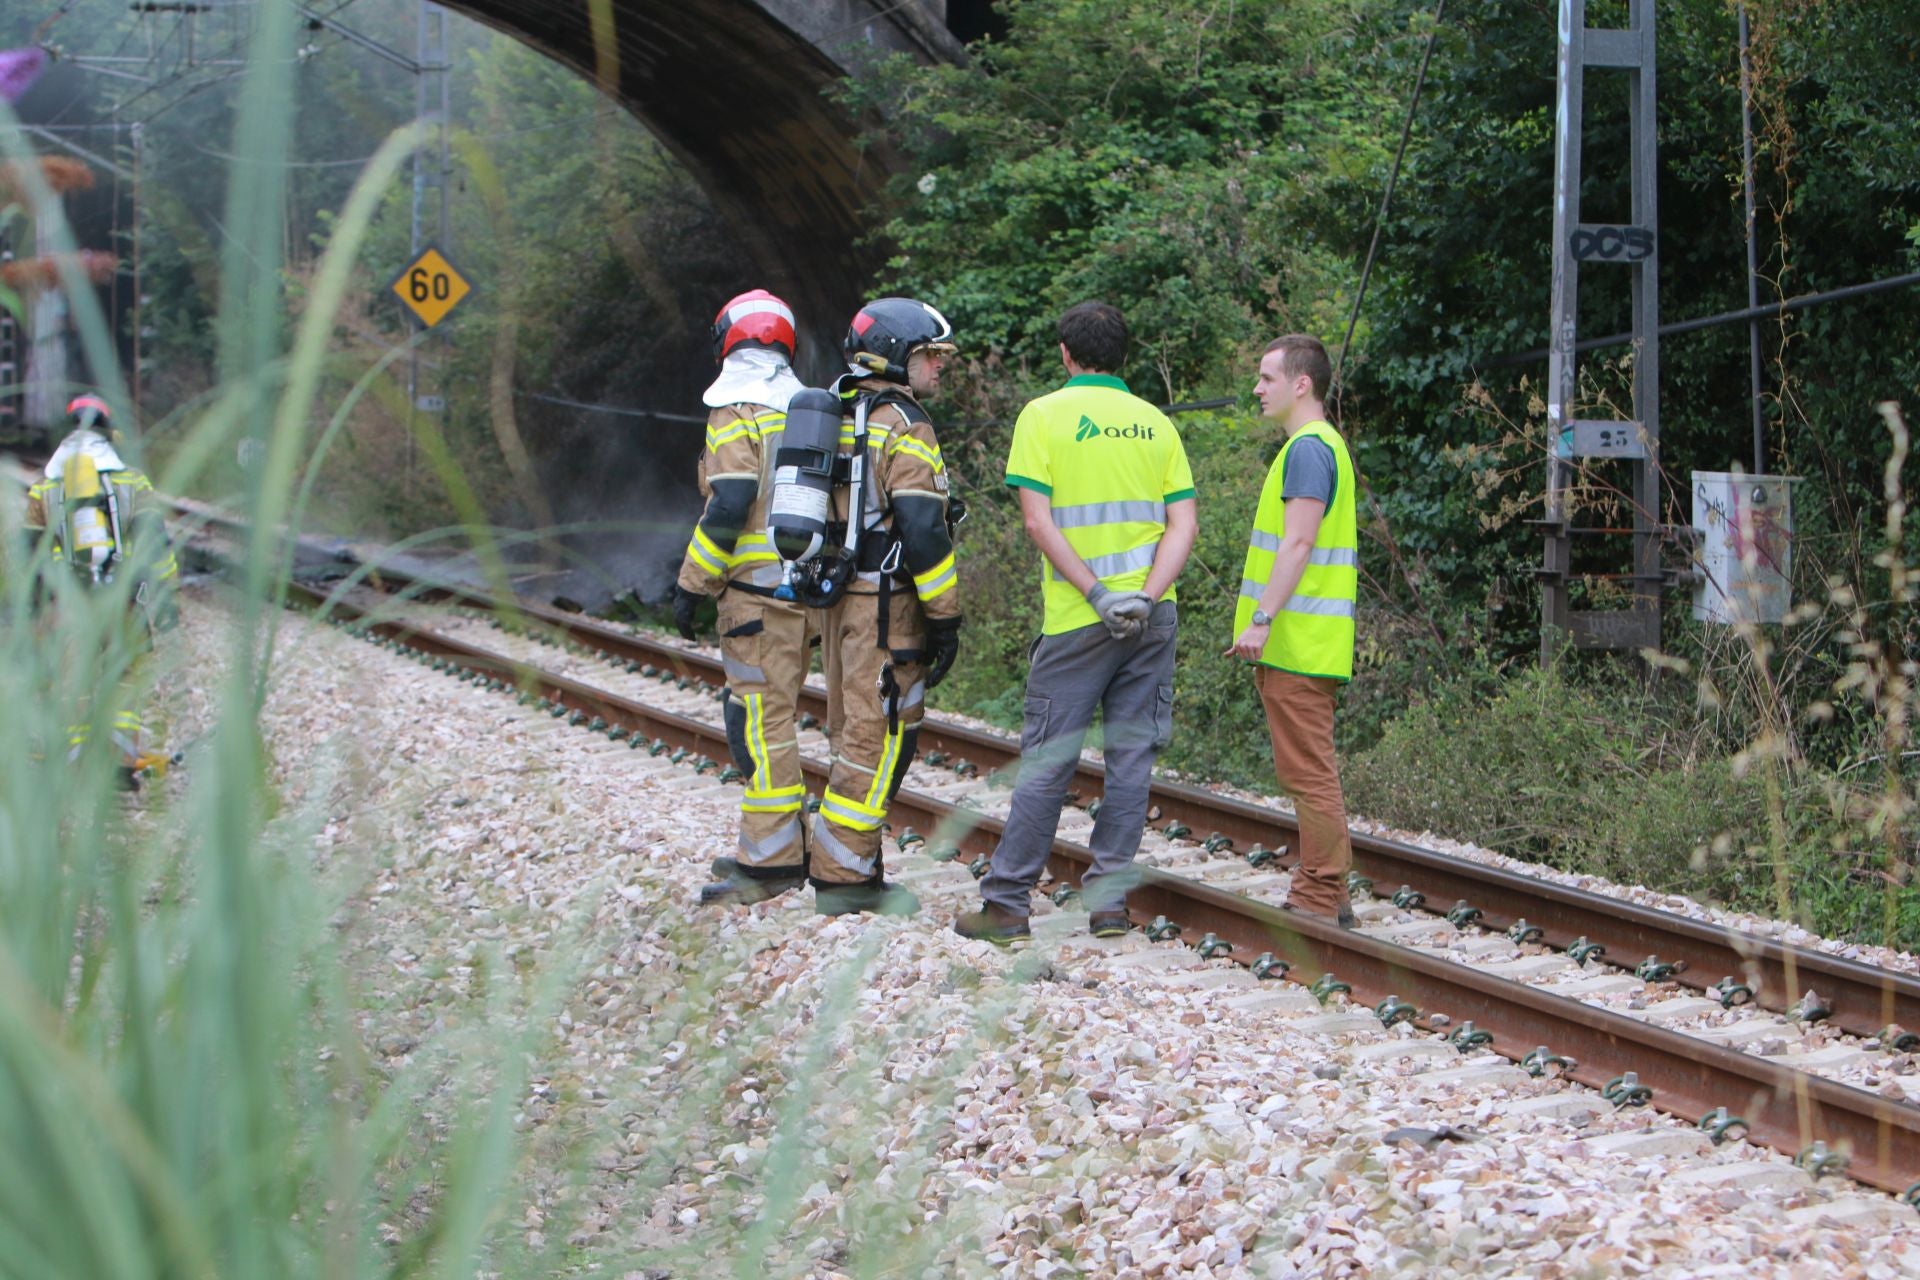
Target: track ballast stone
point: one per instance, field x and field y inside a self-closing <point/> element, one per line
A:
<point x="855" y="1096"/>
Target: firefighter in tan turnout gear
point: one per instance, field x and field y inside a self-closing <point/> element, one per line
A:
<point x="765" y="637"/>
<point x="96" y="520"/>
<point x="891" y="624"/>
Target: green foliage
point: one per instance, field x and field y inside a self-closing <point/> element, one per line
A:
<point x="1617" y="782"/>
<point x="180" y="1069"/>
<point x="1152" y="154"/>
<point x="1215" y="171"/>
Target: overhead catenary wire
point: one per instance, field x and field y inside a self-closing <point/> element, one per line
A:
<point x="1386" y="200"/>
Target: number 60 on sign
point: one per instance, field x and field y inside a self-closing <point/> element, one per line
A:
<point x="430" y="287"/>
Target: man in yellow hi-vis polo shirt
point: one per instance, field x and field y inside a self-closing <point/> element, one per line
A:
<point x="1107" y="497"/>
<point x="1295" y="615"/>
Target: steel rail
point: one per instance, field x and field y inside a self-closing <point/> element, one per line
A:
<point x="1783" y="1108"/>
<point x="1864" y="999"/>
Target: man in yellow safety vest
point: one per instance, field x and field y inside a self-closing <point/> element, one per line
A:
<point x="1295" y="615"/>
<point x="1107" y="497"/>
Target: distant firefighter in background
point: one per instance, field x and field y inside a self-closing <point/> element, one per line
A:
<point x="765" y="639"/>
<point x="96" y="522"/>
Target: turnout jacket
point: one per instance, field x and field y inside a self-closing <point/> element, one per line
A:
<point x="730" y="544"/>
<point x="149" y="551"/>
<point x="908" y="490"/>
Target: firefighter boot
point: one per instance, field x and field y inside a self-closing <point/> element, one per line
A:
<point x="743" y="884"/>
<point x="879" y="896"/>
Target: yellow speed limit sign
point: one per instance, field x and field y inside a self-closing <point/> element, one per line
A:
<point x="430" y="286"/>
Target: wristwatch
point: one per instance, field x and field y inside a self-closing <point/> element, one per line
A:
<point x="1261" y="618"/>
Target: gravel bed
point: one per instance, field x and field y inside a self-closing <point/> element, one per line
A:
<point x="879" y="1097"/>
<point x="1819" y="1049"/>
<point x="1678" y="904"/>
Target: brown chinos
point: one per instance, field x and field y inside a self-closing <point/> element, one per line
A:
<point x="1300" y="722"/>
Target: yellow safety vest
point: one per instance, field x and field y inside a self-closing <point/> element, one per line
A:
<point x="1110" y="465"/>
<point x="1313" y="631"/>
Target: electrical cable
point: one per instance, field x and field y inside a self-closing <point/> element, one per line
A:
<point x="1386" y="198"/>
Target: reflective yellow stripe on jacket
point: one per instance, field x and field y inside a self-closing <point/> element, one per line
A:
<point x="1313" y="631"/>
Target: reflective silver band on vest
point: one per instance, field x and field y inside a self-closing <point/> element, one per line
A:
<point x="1124" y="561"/>
<point x="1092" y="513"/>
<point x="1319" y="606"/>
<point x="1324" y="556"/>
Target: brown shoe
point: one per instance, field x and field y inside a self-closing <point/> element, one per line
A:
<point x="1344" y="918"/>
<point x="992" y="924"/>
<point x="1109" y="924"/>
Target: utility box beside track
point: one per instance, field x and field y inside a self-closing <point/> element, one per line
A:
<point x="1743" y="557"/>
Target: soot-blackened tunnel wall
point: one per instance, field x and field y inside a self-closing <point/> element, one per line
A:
<point x="739" y="91"/>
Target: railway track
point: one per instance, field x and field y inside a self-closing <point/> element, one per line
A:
<point x="1825" y="1124"/>
<point x="1598" y="931"/>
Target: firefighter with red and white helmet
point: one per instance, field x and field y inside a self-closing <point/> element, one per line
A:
<point x="765" y="639"/>
<point x="95" y="520"/>
<point x="891" y="626"/>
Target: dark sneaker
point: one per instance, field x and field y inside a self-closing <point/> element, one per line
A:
<point x="742" y="886"/>
<point x="1109" y="924"/>
<point x="722" y="867"/>
<point x="881" y="897"/>
<point x="993" y="924"/>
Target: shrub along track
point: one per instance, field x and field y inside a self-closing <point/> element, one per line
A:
<point x="1630" y="1060"/>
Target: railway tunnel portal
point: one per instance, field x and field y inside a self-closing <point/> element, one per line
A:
<point x="740" y="92"/>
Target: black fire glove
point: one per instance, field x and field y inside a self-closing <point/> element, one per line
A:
<point x="684" y="603"/>
<point x="943" y="646"/>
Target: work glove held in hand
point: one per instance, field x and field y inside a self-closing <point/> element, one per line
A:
<point x="943" y="646"/>
<point x="684" y="603"/>
<point x="1123" y="612"/>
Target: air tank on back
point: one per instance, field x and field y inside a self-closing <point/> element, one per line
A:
<point x="802" y="500"/>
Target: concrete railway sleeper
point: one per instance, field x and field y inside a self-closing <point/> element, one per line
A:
<point x="1729" y="1018"/>
<point x="1825" y="1125"/>
<point x="1861" y="999"/>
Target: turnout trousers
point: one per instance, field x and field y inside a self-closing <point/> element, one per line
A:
<point x="764" y="644"/>
<point x="1300" y="720"/>
<point x="1071" y="676"/>
<point x="875" y="698"/>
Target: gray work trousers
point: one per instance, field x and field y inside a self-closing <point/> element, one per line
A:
<point x="1130" y="682"/>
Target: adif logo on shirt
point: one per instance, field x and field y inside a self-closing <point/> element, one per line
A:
<point x="1089" y="429"/>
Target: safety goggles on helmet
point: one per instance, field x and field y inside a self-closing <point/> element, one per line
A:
<point x="754" y="319"/>
<point x="888" y="330"/>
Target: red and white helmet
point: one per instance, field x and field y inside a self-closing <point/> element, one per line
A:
<point x="755" y="318"/>
<point x="88" y="411"/>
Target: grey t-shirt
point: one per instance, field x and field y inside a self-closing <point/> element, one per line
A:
<point x="1311" y="472"/>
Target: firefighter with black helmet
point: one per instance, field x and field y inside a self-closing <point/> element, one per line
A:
<point x="96" y="521"/>
<point x="765" y="636"/>
<point x="891" y="621"/>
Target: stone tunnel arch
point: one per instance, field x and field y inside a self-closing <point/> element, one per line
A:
<point x="739" y="91"/>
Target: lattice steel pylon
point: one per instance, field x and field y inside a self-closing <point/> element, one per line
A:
<point x="1634" y="247"/>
